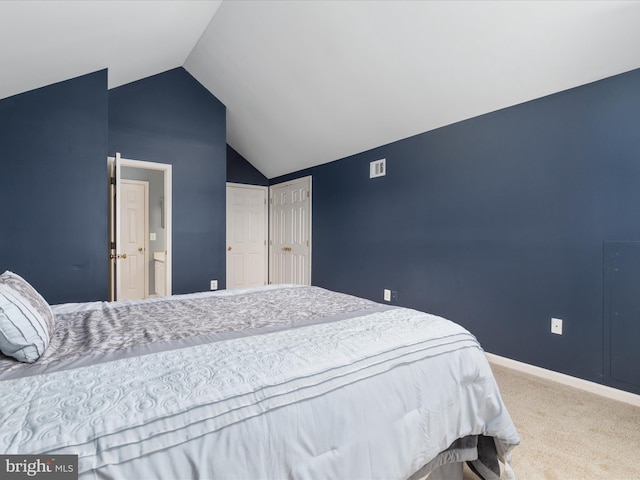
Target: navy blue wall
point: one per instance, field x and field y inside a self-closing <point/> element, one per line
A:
<point x="171" y="118"/>
<point x="497" y="222"/>
<point x="53" y="190"/>
<point x="53" y="186"/>
<point x="239" y="170"/>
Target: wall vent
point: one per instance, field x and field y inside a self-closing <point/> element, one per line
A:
<point x="378" y="168"/>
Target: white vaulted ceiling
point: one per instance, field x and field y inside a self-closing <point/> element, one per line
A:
<point x="307" y="82"/>
<point x="42" y="42"/>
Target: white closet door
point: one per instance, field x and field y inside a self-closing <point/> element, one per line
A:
<point x="290" y="220"/>
<point x="246" y="235"/>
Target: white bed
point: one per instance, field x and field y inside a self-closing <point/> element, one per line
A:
<point x="268" y="383"/>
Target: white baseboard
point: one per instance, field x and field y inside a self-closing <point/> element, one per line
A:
<point x="598" y="389"/>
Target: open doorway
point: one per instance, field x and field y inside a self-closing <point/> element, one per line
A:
<point x="139" y="230"/>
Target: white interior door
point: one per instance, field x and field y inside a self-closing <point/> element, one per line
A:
<point x="290" y="240"/>
<point x="134" y="225"/>
<point x="247" y="229"/>
<point x="122" y="271"/>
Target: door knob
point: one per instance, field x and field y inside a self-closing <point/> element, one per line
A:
<point x="228" y="249"/>
<point x="124" y="255"/>
<point x="140" y="249"/>
<point x="286" y="249"/>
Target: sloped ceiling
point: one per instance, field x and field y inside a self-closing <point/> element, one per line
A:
<point x="43" y="42"/>
<point x="307" y="82"/>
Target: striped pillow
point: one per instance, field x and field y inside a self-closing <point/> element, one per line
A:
<point x="26" y="320"/>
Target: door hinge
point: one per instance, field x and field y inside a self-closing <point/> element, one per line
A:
<point x="112" y="245"/>
<point x="308" y="194"/>
<point x="112" y="180"/>
<point x="307" y="243"/>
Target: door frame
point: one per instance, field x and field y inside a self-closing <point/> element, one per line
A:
<point x="309" y="179"/>
<point x="264" y="189"/>
<point x="113" y="171"/>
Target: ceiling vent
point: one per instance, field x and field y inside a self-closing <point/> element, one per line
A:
<point x="378" y="168"/>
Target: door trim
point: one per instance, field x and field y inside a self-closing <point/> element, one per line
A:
<point x="168" y="223"/>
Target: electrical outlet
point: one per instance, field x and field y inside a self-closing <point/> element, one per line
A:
<point x="214" y="285"/>
<point x="387" y="295"/>
<point x="556" y="326"/>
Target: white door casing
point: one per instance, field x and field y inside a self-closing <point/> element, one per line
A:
<point x="115" y="248"/>
<point x="290" y="227"/>
<point x="133" y="263"/>
<point x="247" y="230"/>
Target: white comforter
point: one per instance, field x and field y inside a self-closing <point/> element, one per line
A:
<point x="375" y="395"/>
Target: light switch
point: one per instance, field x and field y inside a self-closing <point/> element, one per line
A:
<point x="152" y="236"/>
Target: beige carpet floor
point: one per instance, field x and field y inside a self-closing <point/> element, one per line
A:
<point x="567" y="433"/>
